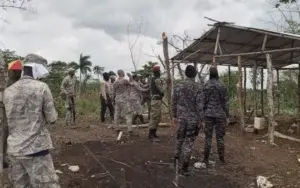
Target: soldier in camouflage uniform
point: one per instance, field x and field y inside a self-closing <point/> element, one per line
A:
<point x="157" y="94"/>
<point x="121" y="90"/>
<point x="188" y="116"/>
<point x="68" y="89"/>
<point x="135" y="99"/>
<point x="146" y="95"/>
<point x="30" y="110"/>
<point x="216" y="112"/>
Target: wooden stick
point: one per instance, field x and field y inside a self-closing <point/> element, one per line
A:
<point x="278" y="90"/>
<point x="279" y="135"/>
<point x="262" y="92"/>
<point x="167" y="63"/>
<point x="245" y="91"/>
<point x="270" y="99"/>
<point x="240" y="95"/>
<point x="264" y="42"/>
<point x="254" y="89"/>
<point x="258" y="53"/>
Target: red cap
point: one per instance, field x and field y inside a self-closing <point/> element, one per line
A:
<point x="156" y="68"/>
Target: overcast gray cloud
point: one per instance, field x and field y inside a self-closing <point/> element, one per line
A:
<point x="62" y="29"/>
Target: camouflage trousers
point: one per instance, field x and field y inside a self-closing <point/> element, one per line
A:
<point x="218" y="124"/>
<point x="70" y="111"/>
<point x="147" y="100"/>
<point x="33" y="172"/>
<point x="136" y="106"/>
<point x="155" y="115"/>
<point x="123" y="109"/>
<point x="186" y="135"/>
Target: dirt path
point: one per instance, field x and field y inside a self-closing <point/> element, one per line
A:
<point x="247" y="157"/>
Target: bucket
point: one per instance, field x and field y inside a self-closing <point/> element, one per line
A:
<point x="259" y="123"/>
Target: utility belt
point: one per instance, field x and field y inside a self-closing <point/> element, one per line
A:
<point x="156" y="97"/>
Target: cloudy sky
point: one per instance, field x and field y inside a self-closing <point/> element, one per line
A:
<point x="62" y="29"/>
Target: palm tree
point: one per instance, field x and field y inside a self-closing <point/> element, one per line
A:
<point x="98" y="71"/>
<point x="84" y="67"/>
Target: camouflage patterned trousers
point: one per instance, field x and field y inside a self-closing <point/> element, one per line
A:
<point x="33" y="172"/>
<point x="155" y="115"/>
<point x="70" y="111"/>
<point x="136" y="106"/>
<point x="218" y="124"/>
<point x="123" y="108"/>
<point x="186" y="135"/>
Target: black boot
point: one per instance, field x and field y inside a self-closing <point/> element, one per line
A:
<point x="205" y="159"/>
<point x="185" y="169"/>
<point x="142" y="119"/>
<point x="222" y="159"/>
<point x="154" y="133"/>
<point x="134" y="119"/>
<point x="150" y="135"/>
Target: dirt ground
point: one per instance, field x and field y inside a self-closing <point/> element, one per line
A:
<point x="137" y="163"/>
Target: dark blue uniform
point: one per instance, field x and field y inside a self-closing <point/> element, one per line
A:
<point x="188" y="110"/>
<point x="216" y="112"/>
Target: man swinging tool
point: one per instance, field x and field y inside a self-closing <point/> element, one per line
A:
<point x="157" y="94"/>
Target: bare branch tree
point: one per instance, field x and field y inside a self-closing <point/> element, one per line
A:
<point x="132" y="43"/>
<point x="15" y="4"/>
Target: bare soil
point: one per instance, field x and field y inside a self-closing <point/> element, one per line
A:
<point x="106" y="163"/>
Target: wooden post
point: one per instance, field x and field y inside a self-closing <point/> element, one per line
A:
<point x="270" y="99"/>
<point x="254" y="89"/>
<point x="3" y="74"/>
<point x="229" y="81"/>
<point x="245" y="90"/>
<point x="216" y="46"/>
<point x="240" y="95"/>
<point x="262" y="92"/>
<point x="167" y="63"/>
<point x="298" y="91"/>
<point x="278" y="92"/>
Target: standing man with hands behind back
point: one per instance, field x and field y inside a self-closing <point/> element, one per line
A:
<point x="188" y="117"/>
<point x="68" y="89"/>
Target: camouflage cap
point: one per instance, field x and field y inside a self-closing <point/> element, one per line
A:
<point x="33" y="58"/>
<point x="70" y="70"/>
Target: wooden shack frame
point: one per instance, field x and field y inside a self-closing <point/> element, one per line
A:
<point x="229" y="45"/>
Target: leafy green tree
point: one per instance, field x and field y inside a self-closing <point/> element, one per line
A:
<point x="98" y="71"/>
<point x="58" y="66"/>
<point x="84" y="67"/>
<point x="112" y="73"/>
<point x="232" y="89"/>
<point x="146" y="70"/>
<point x="9" y="56"/>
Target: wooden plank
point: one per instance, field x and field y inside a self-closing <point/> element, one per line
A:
<point x="240" y="95"/>
<point x="258" y="53"/>
<point x="270" y="99"/>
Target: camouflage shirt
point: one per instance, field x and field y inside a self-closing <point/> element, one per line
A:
<point x="215" y="99"/>
<point x="29" y="108"/>
<point x="121" y="89"/>
<point x="188" y="100"/>
<point x="68" y="85"/>
<point x="136" y="90"/>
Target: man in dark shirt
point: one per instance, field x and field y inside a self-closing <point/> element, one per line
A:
<point x="188" y="115"/>
<point x="216" y="113"/>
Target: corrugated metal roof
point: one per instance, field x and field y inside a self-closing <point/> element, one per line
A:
<point x="239" y="39"/>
